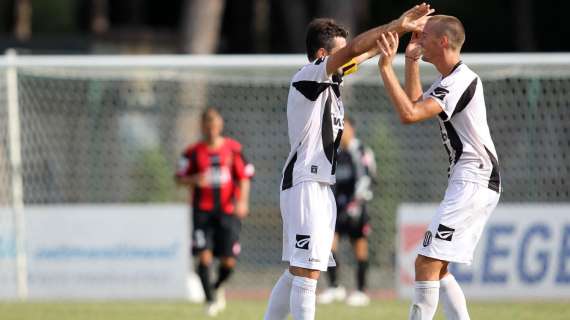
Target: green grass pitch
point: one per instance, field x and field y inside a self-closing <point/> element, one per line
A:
<point x="253" y="309"/>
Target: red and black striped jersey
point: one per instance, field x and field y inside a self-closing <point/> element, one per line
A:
<point x="217" y="172"/>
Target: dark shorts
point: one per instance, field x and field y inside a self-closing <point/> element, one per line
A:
<point x="216" y="231"/>
<point x="353" y="226"/>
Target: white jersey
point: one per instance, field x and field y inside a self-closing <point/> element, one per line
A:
<point x="464" y="129"/>
<point x="315" y="120"/>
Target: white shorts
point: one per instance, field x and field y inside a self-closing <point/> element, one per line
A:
<point x="458" y="224"/>
<point x="308" y="211"/>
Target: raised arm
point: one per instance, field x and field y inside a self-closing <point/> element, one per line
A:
<point x="408" y="110"/>
<point x="413" y="85"/>
<point x="411" y="20"/>
<point x="367" y="55"/>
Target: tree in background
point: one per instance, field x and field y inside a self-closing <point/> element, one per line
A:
<point x="23" y="25"/>
<point x="201" y="24"/>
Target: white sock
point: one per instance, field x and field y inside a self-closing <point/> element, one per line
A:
<point x="424" y="304"/>
<point x="303" y="296"/>
<point x="278" y="307"/>
<point x="453" y="299"/>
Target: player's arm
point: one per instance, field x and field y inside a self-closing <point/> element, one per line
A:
<point x="243" y="171"/>
<point x="363" y="183"/>
<point x="186" y="174"/>
<point x="242" y="203"/>
<point x="367" y="55"/>
<point x="411" y="20"/>
<point x="187" y="181"/>
<point x="413" y="85"/>
<point x="409" y="111"/>
<point x="352" y="65"/>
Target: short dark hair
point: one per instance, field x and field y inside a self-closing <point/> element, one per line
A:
<point x="451" y="27"/>
<point x="320" y="34"/>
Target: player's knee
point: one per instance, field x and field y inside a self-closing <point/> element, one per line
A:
<point x="205" y="257"/>
<point x="228" y="262"/>
<point x="306" y="273"/>
<point x="428" y="269"/>
<point x="360" y="246"/>
<point x="444" y="271"/>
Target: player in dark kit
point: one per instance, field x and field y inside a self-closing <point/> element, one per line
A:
<point x="217" y="176"/>
<point x="355" y="174"/>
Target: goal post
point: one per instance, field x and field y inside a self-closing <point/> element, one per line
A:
<point x="109" y="129"/>
<point x="17" y="192"/>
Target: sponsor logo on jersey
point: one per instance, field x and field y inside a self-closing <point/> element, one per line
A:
<point x="314" y="169"/>
<point x="302" y="241"/>
<point x="444" y="233"/>
<point x="339" y="122"/>
<point x="314" y="260"/>
<point x="439" y="93"/>
<point x="427" y="238"/>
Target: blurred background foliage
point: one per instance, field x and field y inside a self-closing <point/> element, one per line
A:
<point x="258" y="26"/>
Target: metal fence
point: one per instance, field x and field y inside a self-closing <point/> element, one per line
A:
<point x="110" y="130"/>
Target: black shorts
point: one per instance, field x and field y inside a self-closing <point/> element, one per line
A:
<point x="353" y="226"/>
<point x="216" y="231"/>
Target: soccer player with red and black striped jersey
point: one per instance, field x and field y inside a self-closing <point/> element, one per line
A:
<point x="217" y="175"/>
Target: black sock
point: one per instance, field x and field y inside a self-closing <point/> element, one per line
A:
<point x="223" y="274"/>
<point x="361" y="274"/>
<point x="332" y="273"/>
<point x="204" y="274"/>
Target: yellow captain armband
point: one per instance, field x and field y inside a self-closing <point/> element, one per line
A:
<point x="349" y="67"/>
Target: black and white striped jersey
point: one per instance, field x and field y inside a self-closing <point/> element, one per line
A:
<point x="464" y="129"/>
<point x="315" y="120"/>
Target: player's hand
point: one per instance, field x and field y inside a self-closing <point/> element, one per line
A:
<point x="241" y="210"/>
<point x="414" y="19"/>
<point x="354" y="208"/>
<point x="414" y="49"/>
<point x="388" y="46"/>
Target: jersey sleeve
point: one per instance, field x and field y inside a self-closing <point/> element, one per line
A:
<point x="315" y="71"/>
<point x="187" y="164"/>
<point x="447" y="94"/>
<point x="312" y="79"/>
<point x="241" y="168"/>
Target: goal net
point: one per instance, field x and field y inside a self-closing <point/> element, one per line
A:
<point x="103" y="129"/>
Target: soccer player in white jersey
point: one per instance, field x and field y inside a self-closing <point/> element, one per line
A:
<point x="456" y="99"/>
<point x="315" y="121"/>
